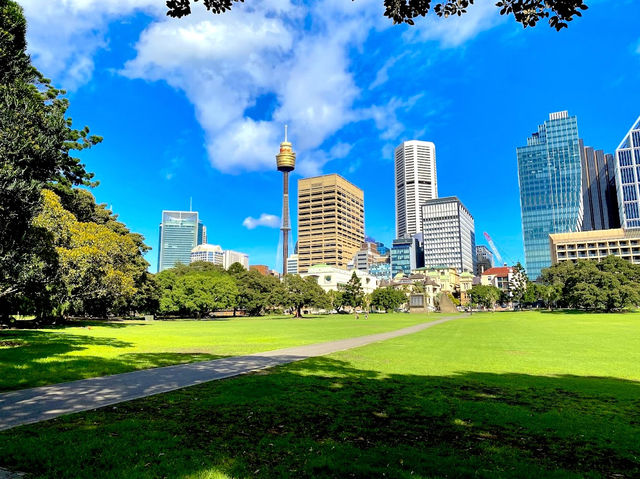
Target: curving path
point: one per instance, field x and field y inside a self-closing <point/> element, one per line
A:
<point x="46" y="402"/>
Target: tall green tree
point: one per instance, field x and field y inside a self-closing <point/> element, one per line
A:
<point x="258" y="293"/>
<point x="352" y="292"/>
<point x="518" y="283"/>
<point x="303" y="292"/>
<point x="98" y="268"/>
<point x="36" y="145"/>
<point x="196" y="290"/>
<point x="335" y="300"/>
<point x="484" y="295"/>
<point x="387" y="298"/>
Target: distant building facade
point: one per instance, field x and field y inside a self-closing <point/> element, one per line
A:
<point x="216" y="255"/>
<point x="484" y="259"/>
<point x="330" y="221"/>
<point x="550" y="178"/>
<point x="332" y="278"/>
<point x="208" y="252"/>
<point x="263" y="269"/>
<point x="382" y="249"/>
<point x="405" y="254"/>
<point x="415" y="183"/>
<point x="381" y="270"/>
<point x="292" y="264"/>
<point x="370" y="260"/>
<point x="501" y="277"/>
<point x="628" y="178"/>
<point x="449" y="235"/>
<point x="596" y="245"/>
<point x="179" y="233"/>
<point x="229" y="257"/>
<point x="599" y="190"/>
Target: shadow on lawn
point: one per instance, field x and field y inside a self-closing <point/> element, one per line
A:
<point x="32" y="358"/>
<point x="323" y="418"/>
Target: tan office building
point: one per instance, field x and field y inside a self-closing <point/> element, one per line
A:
<point x="330" y="221"/>
<point x="595" y="245"/>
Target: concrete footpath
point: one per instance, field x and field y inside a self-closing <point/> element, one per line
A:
<point x="42" y="403"/>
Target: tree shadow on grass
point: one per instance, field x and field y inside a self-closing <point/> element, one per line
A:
<point x="30" y="358"/>
<point x="323" y="418"/>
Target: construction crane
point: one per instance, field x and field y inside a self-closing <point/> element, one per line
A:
<point x="493" y="248"/>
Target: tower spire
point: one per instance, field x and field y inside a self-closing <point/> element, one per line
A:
<point x="286" y="162"/>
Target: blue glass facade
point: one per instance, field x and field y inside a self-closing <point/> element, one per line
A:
<point x="628" y="178"/>
<point x="179" y="234"/>
<point x="406" y="255"/>
<point x="380" y="270"/>
<point x="550" y="178"/>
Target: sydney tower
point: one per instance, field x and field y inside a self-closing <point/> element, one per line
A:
<point x="286" y="161"/>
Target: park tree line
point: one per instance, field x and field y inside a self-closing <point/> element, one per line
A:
<point x="612" y="284"/>
<point x="201" y="289"/>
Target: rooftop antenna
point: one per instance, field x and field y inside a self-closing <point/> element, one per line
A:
<point x="285" y="132"/>
<point x="190" y="203"/>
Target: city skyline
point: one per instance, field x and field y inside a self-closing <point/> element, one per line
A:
<point x="119" y="84"/>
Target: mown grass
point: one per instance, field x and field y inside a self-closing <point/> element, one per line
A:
<point x="515" y="395"/>
<point x="46" y="356"/>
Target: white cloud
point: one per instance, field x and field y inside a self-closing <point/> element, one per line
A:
<point x="270" y="221"/>
<point x="225" y="63"/>
<point x="299" y="55"/>
<point x="64" y="35"/>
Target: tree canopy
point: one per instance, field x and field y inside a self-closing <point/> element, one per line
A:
<point x="387" y="298"/>
<point x="609" y="285"/>
<point x="526" y="12"/>
<point x="352" y="292"/>
<point x="59" y="252"/>
<point x="302" y="292"/>
<point x="484" y="295"/>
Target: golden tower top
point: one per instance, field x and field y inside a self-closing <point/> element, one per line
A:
<point x="286" y="159"/>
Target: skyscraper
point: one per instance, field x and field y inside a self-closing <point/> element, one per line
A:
<point x="599" y="190"/>
<point x="628" y="178"/>
<point x="330" y="221"/>
<point x="550" y="178"/>
<point x="448" y="233"/>
<point x="179" y="234"/>
<point x="416" y="182"/>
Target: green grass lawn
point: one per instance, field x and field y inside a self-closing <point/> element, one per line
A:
<point x="45" y="356"/>
<point x="518" y="395"/>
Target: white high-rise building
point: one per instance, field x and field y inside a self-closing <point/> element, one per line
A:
<point x="416" y="182"/>
<point x="449" y="235"/>
<point x="628" y="178"/>
<point x="230" y="257"/>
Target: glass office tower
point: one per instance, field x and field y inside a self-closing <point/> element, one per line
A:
<point x="550" y="178"/>
<point x="180" y="232"/>
<point x="628" y="178"/>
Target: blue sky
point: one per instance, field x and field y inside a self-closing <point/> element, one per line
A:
<point x="195" y="107"/>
